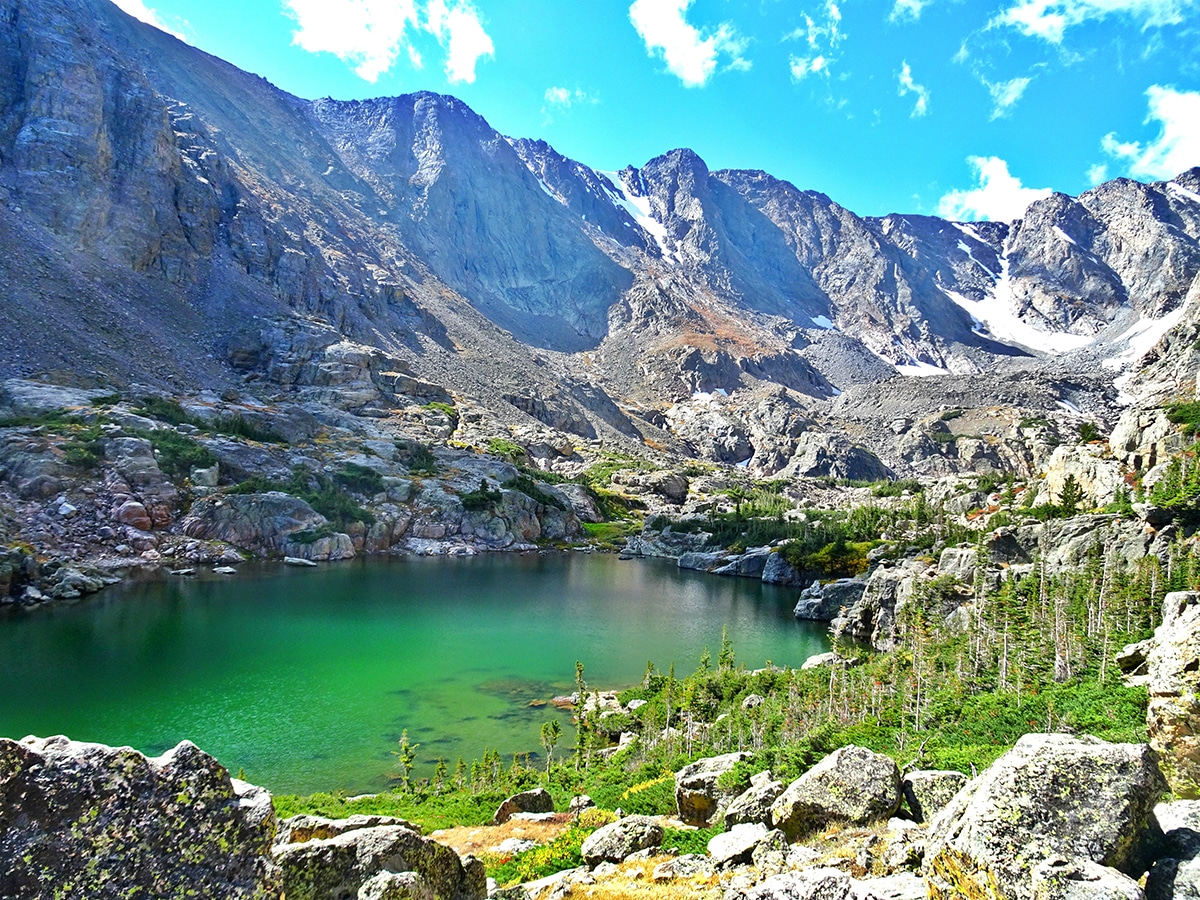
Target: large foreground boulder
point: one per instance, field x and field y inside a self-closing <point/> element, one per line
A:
<point x="852" y="785"/>
<point x="339" y="867"/>
<point x="1173" y="713"/>
<point x="927" y="792"/>
<point x="615" y="841"/>
<point x="85" y="820"/>
<point x="698" y="798"/>
<point x="1052" y="795"/>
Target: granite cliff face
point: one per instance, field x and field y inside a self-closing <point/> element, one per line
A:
<point x="178" y="223"/>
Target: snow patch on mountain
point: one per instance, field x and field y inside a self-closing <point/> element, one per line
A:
<point x="1141" y="336"/>
<point x="1180" y="190"/>
<point x="638" y="209"/>
<point x="995" y="312"/>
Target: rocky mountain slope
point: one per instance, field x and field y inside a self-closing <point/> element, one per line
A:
<point x="177" y="223"/>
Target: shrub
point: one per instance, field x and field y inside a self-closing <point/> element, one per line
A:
<point x="561" y="853"/>
<point x="949" y="414"/>
<point x="506" y="449"/>
<point x="595" y="817"/>
<point x="166" y="410"/>
<point x="237" y="425"/>
<point x="360" y="479"/>
<point x="417" y="458"/>
<point x="482" y="497"/>
<point x="177" y="454"/>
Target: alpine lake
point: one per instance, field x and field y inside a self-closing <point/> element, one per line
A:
<point x="304" y="679"/>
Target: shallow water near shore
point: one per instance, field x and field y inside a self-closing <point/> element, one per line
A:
<point x="305" y="678"/>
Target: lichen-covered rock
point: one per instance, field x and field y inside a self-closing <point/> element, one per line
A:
<point x="825" y="602"/>
<point x="851" y="785"/>
<point x="927" y="792"/>
<point x="697" y="797"/>
<point x="1062" y="879"/>
<point x="86" y="820"/>
<point x="834" y="884"/>
<point x="754" y="803"/>
<point x="535" y="801"/>
<point x="1176" y="874"/>
<point x="689" y="865"/>
<point x="338" y="867"/>
<point x="1173" y="713"/>
<point x="614" y="842"/>
<point x="1052" y="794"/>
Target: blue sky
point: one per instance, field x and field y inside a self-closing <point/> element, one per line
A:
<point x="966" y="108"/>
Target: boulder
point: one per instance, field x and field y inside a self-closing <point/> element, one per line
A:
<point x="961" y="562"/>
<point x="834" y="884"/>
<point x="1174" y="879"/>
<point x="134" y="515"/>
<point x="338" y="867"/>
<point x="852" y="785"/>
<point x="1173" y="713"/>
<point x="746" y="565"/>
<point x="1062" y="879"/>
<point x="703" y="561"/>
<point x="736" y="846"/>
<point x="779" y="571"/>
<point x="396" y="886"/>
<point x="689" y="865"/>
<point x="872" y="618"/>
<point x="697" y="797"/>
<point x="113" y="823"/>
<point x="613" y="843"/>
<point x="824" y="603"/>
<point x="298" y="829"/>
<point x="535" y="801"/>
<point x="754" y="804"/>
<point x="928" y="792"/>
<point x="1052" y="794"/>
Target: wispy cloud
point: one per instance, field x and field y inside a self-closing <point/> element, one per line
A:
<point x="692" y="55"/>
<point x="565" y="98"/>
<point x="998" y="195"/>
<point x="1050" y="19"/>
<point x="1177" y="146"/>
<point x="143" y="13"/>
<point x="908" y="10"/>
<point x="908" y="86"/>
<point x="1005" y="94"/>
<point x="1097" y="174"/>
<point x="822" y="38"/>
<point x="368" y="35"/>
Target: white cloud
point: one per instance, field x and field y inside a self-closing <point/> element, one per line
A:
<point x="1049" y="19"/>
<point x="691" y="54"/>
<point x="908" y="9"/>
<point x="823" y="38"/>
<point x="999" y="195"/>
<point x="369" y="34"/>
<point x="1177" y="146"/>
<point x="908" y="86"/>
<point x="366" y="34"/>
<point x="143" y="13"/>
<point x="459" y="28"/>
<point x="1097" y="174"/>
<point x="1005" y="94"/>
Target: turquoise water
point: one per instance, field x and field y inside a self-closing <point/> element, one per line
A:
<point x="305" y="678"/>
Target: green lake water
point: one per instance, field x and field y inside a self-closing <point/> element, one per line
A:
<point x="305" y="678"/>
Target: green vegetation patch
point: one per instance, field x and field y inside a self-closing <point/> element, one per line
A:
<point x="482" y="497"/>
<point x="561" y="853"/>
<point x="359" y="479"/>
<point x="529" y="488"/>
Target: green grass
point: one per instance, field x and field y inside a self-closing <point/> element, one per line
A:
<point x="561" y="853"/>
<point x="431" y="813"/>
<point x="529" y="488"/>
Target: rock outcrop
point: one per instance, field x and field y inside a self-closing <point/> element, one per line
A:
<point x="1173" y="714"/>
<point x="535" y="801"/>
<point x="698" y="798"/>
<point x="1051" y="795"/>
